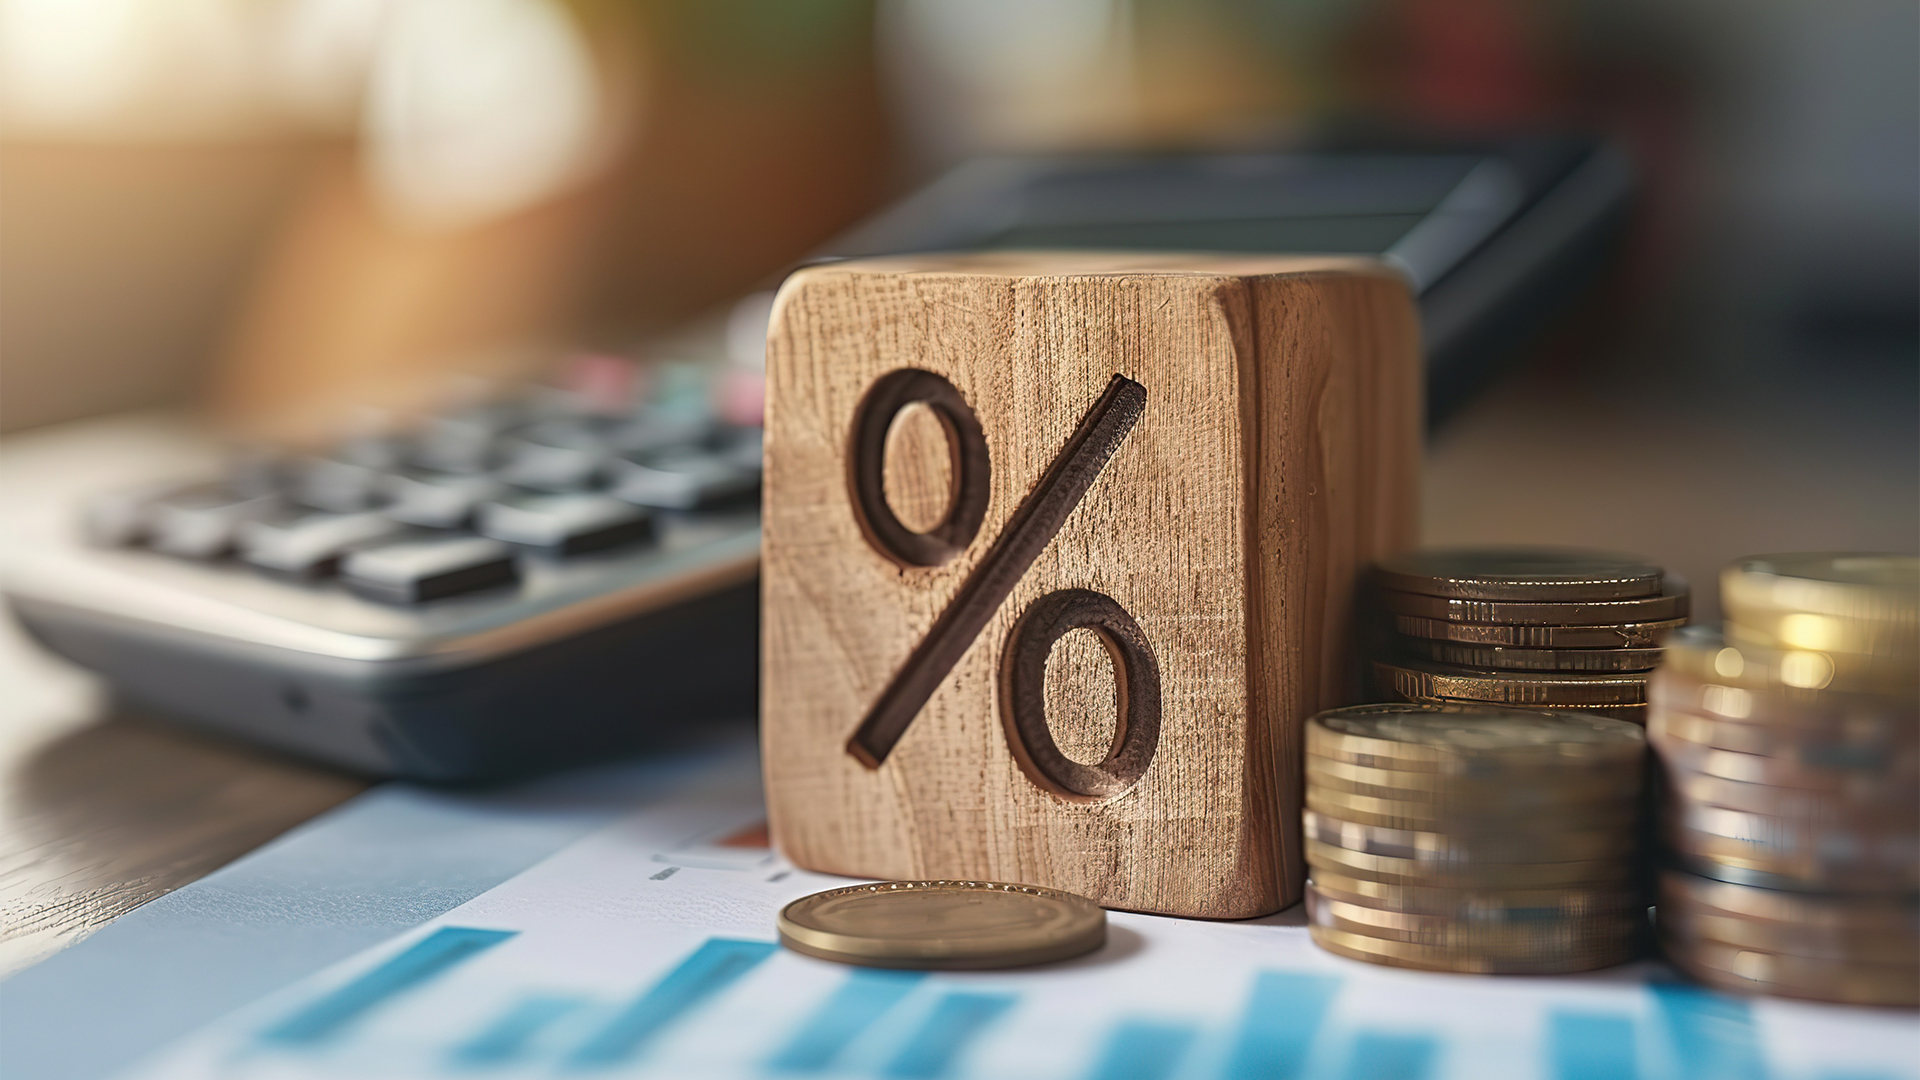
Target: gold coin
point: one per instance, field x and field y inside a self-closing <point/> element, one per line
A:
<point x="1813" y="911"/>
<point x="1519" y="939"/>
<point x="1631" y="714"/>
<point x="1409" y="954"/>
<point x="1870" y="947"/>
<point x="1860" y="656"/>
<point x="1670" y="603"/>
<point x="1464" y="818"/>
<point x="1518" y="789"/>
<point x="1629" y="636"/>
<point x="1391" y="871"/>
<point x="1505" y="658"/>
<point x="1466" y="849"/>
<point x="1756" y="971"/>
<point x="1419" y="679"/>
<point x="1841" y="745"/>
<point x="1520" y="574"/>
<point x="1481" y="905"/>
<point x="943" y="924"/>
<point x="1867" y="806"/>
<point x="1862" y="587"/>
<point x="1470" y="739"/>
<point x="1673" y="686"/>
<point x="1835" y="773"/>
<point x="1741" y="661"/>
<point x="1827" y="858"/>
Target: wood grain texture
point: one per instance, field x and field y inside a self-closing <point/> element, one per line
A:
<point x="1277" y="452"/>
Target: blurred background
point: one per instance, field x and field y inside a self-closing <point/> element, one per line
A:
<point x="283" y="210"/>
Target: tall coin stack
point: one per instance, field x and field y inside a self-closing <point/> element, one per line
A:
<point x="1536" y="628"/>
<point x="1474" y="838"/>
<point x="1791" y="755"/>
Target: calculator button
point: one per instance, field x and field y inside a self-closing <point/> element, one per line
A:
<point x="337" y="484"/>
<point x="683" y="480"/>
<point x="200" y="523"/>
<point x="419" y="568"/>
<point x="436" y="499"/>
<point x="558" y="455"/>
<point x="467" y="441"/>
<point x="308" y="545"/>
<point x="120" y="518"/>
<point x="565" y="524"/>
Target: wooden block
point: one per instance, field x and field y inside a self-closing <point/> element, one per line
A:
<point x="1060" y="552"/>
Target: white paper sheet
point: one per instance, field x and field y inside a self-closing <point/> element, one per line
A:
<point x="647" y="948"/>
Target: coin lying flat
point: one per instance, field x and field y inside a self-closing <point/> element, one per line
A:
<point x="1632" y="636"/>
<point x="1859" y="947"/>
<point x="1671" y="603"/>
<point x="1520" y="574"/>
<point x="1855" y="587"/>
<point x="1470" y="739"/>
<point x="1842" y="745"/>
<point x="1507" y="658"/>
<point x="943" y="924"/>
<point x="1465" y="849"/>
<point x="1410" y="954"/>
<point x="1492" y="817"/>
<point x="1512" y="790"/>
<point x="1546" y="690"/>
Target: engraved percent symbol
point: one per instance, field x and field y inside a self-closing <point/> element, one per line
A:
<point x="1022" y="677"/>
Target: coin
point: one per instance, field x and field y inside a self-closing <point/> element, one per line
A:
<point x="1745" y="970"/>
<point x="1859" y="654"/>
<point x="1837" y="774"/>
<point x="1898" y="915"/>
<point x="1515" y="789"/>
<point x="1409" y="954"/>
<point x="1856" y="946"/>
<point x="1515" y="939"/>
<point x="1854" y="587"/>
<point x="1506" y="658"/>
<point x="1866" y="805"/>
<point x="1478" y="904"/>
<point x="1545" y="690"/>
<point x="943" y="924"/>
<point x="1633" y="636"/>
<point x="1851" y="746"/>
<point x="1670" y="603"/>
<point x="1759" y="666"/>
<point x="1631" y="714"/>
<point x="1827" y="858"/>
<point x="1721" y="698"/>
<point x="1520" y="845"/>
<point x="1470" y="739"/>
<point x="1457" y="818"/>
<point x="1391" y="871"/>
<point x="1520" y="574"/>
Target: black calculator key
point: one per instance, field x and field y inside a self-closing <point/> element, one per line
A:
<point x="438" y="500"/>
<point x="685" y="479"/>
<point x="558" y="455"/>
<point x="652" y="432"/>
<point x="467" y="441"/>
<point x="308" y="545"/>
<point x="200" y="522"/>
<point x="337" y="484"/>
<point x="419" y="568"/>
<point x="565" y="524"/>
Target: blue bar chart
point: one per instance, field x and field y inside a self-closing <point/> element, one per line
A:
<point x="907" y="1025"/>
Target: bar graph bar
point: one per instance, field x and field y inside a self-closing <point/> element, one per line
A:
<point x="432" y="955"/>
<point x="1712" y="1034"/>
<point x="866" y="996"/>
<point x="1143" y="1050"/>
<point x="956" y="1021"/>
<point x="1277" y="1032"/>
<point x="712" y="968"/>
<point x="507" y="1037"/>
<point x="1592" y="1046"/>
<point x="1379" y="1056"/>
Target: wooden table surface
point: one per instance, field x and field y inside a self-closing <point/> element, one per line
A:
<point x="101" y="810"/>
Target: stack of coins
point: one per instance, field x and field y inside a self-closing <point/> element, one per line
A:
<point x="1536" y="628"/>
<point x="1790" y="750"/>
<point x="1474" y="838"/>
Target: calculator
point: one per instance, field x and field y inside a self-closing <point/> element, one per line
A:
<point x="502" y="588"/>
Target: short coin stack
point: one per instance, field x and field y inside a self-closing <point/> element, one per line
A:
<point x="1791" y="756"/>
<point x="1536" y="628"/>
<point x="1474" y="838"/>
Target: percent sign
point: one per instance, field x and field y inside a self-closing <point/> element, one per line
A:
<point x="1033" y="525"/>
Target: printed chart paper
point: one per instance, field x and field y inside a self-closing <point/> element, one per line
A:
<point x="647" y="948"/>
